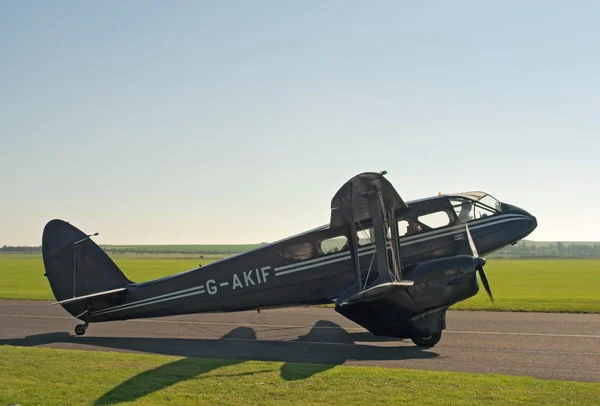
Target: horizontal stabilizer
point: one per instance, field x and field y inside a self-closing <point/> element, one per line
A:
<point x="377" y="291"/>
<point x="105" y="293"/>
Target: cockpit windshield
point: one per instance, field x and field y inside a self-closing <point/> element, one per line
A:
<point x="474" y="205"/>
<point x="482" y="197"/>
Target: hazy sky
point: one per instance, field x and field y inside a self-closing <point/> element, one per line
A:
<point x="237" y="121"/>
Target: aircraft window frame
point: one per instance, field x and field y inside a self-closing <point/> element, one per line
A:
<point x="299" y="252"/>
<point x="402" y="225"/>
<point x="479" y="197"/>
<point x="368" y="240"/>
<point x="388" y="233"/>
<point x="497" y="206"/>
<point x="335" y="250"/>
<point x="445" y="211"/>
<point x="484" y="208"/>
<point x="457" y="202"/>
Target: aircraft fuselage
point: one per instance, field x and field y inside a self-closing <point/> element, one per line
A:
<point x="269" y="276"/>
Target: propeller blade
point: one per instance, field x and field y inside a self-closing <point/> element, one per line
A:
<point x="471" y="242"/>
<point x="485" y="282"/>
<point x="484" y="279"/>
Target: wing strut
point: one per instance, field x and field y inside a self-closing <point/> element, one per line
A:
<point x="369" y="197"/>
<point x="354" y="254"/>
<point x="395" y="245"/>
<point x="380" y="243"/>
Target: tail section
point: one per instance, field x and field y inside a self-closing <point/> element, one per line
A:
<point x="79" y="271"/>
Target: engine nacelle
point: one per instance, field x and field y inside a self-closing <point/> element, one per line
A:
<point x="444" y="281"/>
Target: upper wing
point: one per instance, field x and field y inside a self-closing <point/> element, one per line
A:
<point x="352" y="202"/>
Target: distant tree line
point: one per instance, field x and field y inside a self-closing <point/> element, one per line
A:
<point x="169" y="250"/>
<point x="8" y="248"/>
<point x="523" y="249"/>
<point x="529" y="249"/>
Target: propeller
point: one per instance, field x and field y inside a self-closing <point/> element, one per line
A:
<point x="480" y="263"/>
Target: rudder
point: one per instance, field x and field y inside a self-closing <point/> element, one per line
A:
<point x="76" y="266"/>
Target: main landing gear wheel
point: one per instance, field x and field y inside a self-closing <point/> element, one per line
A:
<point x="427" y="341"/>
<point x="80" y="329"/>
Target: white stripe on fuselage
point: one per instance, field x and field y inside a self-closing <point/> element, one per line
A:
<point x="404" y="241"/>
<point x="326" y="260"/>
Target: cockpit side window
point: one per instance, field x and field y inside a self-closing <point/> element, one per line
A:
<point x="464" y="209"/>
<point x="482" y="211"/>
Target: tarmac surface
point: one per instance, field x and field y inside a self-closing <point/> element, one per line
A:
<point x="541" y="345"/>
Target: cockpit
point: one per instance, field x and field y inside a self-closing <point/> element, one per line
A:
<point x="474" y="205"/>
<point x="448" y="210"/>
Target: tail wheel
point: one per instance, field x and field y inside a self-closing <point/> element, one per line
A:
<point x="427" y="341"/>
<point x="80" y="329"/>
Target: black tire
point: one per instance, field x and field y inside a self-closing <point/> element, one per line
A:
<point x="80" y="329"/>
<point x="427" y="341"/>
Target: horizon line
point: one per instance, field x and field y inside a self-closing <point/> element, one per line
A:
<point x="266" y="242"/>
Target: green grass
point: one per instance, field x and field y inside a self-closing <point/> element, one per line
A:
<point x="22" y="275"/>
<point x="46" y="376"/>
<point x="558" y="285"/>
<point x="566" y="285"/>
<point x="540" y="285"/>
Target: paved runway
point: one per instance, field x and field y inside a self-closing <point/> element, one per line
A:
<point x="547" y="346"/>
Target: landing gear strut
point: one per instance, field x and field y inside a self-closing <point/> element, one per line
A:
<point x="80" y="329"/>
<point x="427" y="341"/>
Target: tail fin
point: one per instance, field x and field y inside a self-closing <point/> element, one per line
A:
<point x="76" y="266"/>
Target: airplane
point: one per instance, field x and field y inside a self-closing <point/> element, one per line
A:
<point x="392" y="267"/>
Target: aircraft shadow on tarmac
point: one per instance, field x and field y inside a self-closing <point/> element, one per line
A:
<point x="325" y="346"/>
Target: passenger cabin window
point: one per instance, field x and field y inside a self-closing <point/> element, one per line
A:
<point x="299" y="252"/>
<point x="408" y="227"/>
<point x="403" y="227"/>
<point x="365" y="237"/>
<point x="435" y="220"/>
<point x="331" y="245"/>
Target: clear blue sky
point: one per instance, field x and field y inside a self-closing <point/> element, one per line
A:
<point x="235" y="121"/>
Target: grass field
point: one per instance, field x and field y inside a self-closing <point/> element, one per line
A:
<point x="517" y="285"/>
<point x="45" y="376"/>
<point x="565" y="285"/>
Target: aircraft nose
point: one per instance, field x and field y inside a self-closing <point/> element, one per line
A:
<point x="530" y="224"/>
<point x="527" y="226"/>
<point x="532" y="221"/>
<point x="509" y="208"/>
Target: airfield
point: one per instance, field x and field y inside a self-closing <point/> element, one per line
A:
<point x="546" y="346"/>
<point x="542" y="347"/>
